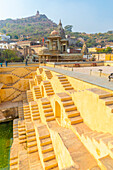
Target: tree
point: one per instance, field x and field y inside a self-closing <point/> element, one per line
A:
<point x="3" y="31"/>
<point x="68" y="28"/>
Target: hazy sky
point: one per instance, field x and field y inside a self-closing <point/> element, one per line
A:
<point x="85" y="15"/>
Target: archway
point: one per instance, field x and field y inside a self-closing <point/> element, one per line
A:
<point x="58" y="111"/>
<point x="42" y="90"/>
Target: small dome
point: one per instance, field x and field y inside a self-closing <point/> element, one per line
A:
<point x="54" y="32"/>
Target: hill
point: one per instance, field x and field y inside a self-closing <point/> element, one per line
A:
<point x="35" y="27"/>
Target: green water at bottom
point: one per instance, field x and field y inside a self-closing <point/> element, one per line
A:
<point x="6" y="138"/>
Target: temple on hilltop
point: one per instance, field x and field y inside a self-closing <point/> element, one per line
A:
<point x="56" y="47"/>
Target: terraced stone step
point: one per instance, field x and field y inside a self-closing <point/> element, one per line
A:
<point x="101" y="93"/>
<point x="49" y="90"/>
<point x="48" y="105"/>
<point x="48" y="110"/>
<point x="50" y="93"/>
<point x="45" y="141"/>
<point x="64" y="97"/>
<point x="48" y="114"/>
<point x="50" y="118"/>
<point x="14" y="167"/>
<point x="51" y="164"/>
<point x="22" y="137"/>
<point x="43" y="132"/>
<point x="73" y="113"/>
<point x="67" y="103"/>
<point x="67" y="85"/>
<point x="47" y="148"/>
<point x="36" y="117"/>
<point x="108" y="100"/>
<point x="75" y="120"/>
<point x="48" y="156"/>
<point x="46" y="82"/>
<point x="22" y="141"/>
<point x="35" y="114"/>
<point x="13" y="161"/>
<point x="21" y="129"/>
<point x="64" y="82"/>
<point x="29" y="134"/>
<point x="70" y="108"/>
<point x="32" y="149"/>
<point x="32" y="143"/>
<point x="35" y="111"/>
<point x="30" y="127"/>
<point x="31" y="138"/>
<point x="68" y="88"/>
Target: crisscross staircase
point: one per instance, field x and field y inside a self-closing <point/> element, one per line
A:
<point x="65" y="83"/>
<point x="48" y="88"/>
<point x="45" y="147"/>
<point x="30" y="96"/>
<point x="20" y="112"/>
<point x="22" y="131"/>
<point x="46" y="108"/>
<point x="38" y="79"/>
<point x="70" y="109"/>
<point x="15" y="128"/>
<point x="14" y="155"/>
<point x="48" y="74"/>
<point x="31" y="83"/>
<point x="31" y="138"/>
<point x="27" y="113"/>
<point x="35" y="116"/>
<point x="36" y="92"/>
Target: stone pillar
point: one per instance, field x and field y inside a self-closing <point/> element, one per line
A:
<point x="59" y="45"/>
<point x="50" y="45"/>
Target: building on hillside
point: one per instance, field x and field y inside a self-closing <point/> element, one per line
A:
<point x="4" y="37"/>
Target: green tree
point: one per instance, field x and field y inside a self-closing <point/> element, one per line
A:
<point x="68" y="28"/>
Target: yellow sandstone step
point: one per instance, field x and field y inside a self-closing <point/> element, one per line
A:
<point x="47" y="105"/>
<point x="31" y="138"/>
<point x="22" y="141"/>
<point x="70" y="108"/>
<point x="29" y="134"/>
<point x="13" y="161"/>
<point x="31" y="143"/>
<point x="50" y="118"/>
<point x="67" y="85"/>
<point x="14" y="167"/>
<point x="48" y="114"/>
<point x="73" y="113"/>
<point x="48" y="156"/>
<point x="51" y="164"/>
<point x="45" y="141"/>
<point x="36" y="117"/>
<point x="48" y="110"/>
<point x="108" y="100"/>
<point x="68" y="88"/>
<point x="22" y="137"/>
<point x="50" y="93"/>
<point x="47" y="148"/>
<point x="76" y="120"/>
<point x="67" y="103"/>
<point x="35" y="114"/>
<point x="32" y="149"/>
<point x="35" y="111"/>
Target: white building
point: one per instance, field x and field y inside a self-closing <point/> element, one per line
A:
<point x="4" y="37"/>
